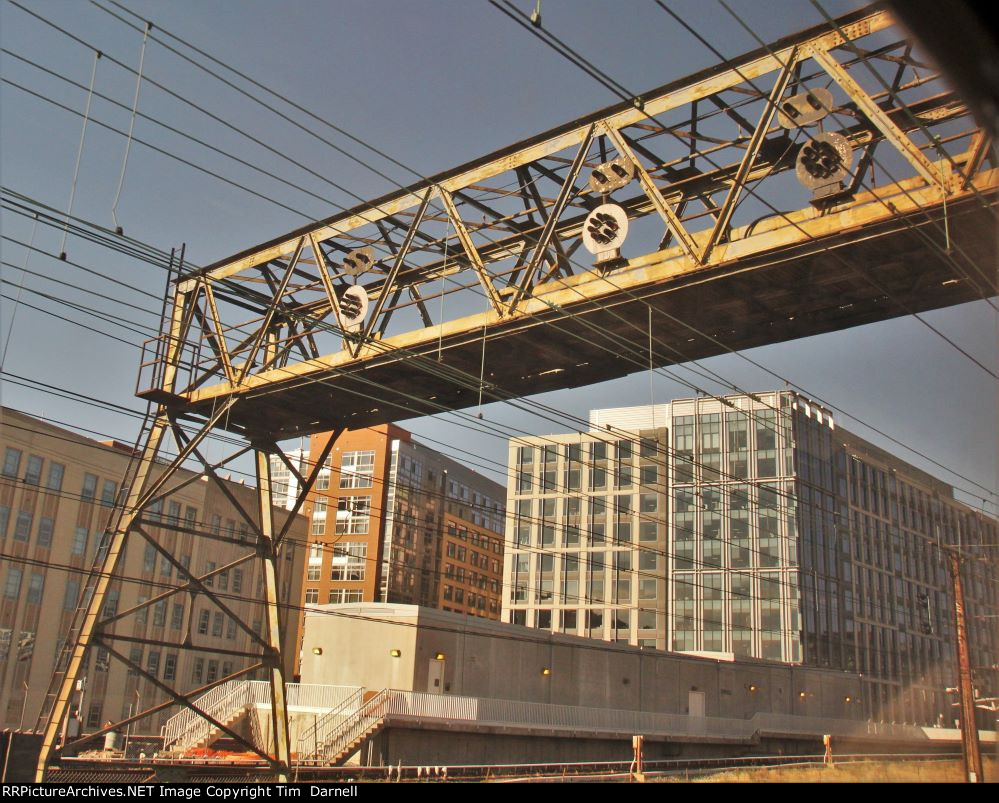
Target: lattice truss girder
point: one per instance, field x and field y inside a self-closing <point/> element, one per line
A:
<point x="485" y="251"/>
<point x="257" y="551"/>
<point x="498" y="241"/>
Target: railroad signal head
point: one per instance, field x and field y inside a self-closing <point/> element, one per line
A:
<point x="604" y="231"/>
<point x="611" y="176"/>
<point x="360" y="261"/>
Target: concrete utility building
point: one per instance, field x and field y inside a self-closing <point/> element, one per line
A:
<point x="394" y="521"/>
<point x="753" y="527"/>
<point x="57" y="492"/>
<point x="410" y="648"/>
<point x="440" y="688"/>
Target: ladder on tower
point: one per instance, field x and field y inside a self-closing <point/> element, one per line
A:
<point x="65" y="652"/>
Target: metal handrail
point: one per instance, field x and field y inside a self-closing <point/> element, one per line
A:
<point x="188" y="727"/>
<point x="345" y="732"/>
<point x="321" y="731"/>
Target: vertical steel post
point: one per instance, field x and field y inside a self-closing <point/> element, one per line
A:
<point x="116" y="547"/>
<point x="969" y="727"/>
<point x="279" y="710"/>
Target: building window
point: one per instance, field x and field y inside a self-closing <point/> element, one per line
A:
<point x="46" y="526"/>
<point x="4" y="520"/>
<point x="357" y="469"/>
<point x="108" y="493"/>
<point x="149" y="558"/>
<point x="33" y="471"/>
<point x="71" y="595"/>
<point x="79" y="541"/>
<point x="349" y="560"/>
<point x="311" y="596"/>
<point x="35" y="586"/>
<point x="22" y="530"/>
<point x="89" y="490"/>
<point x="177" y="616"/>
<point x="339" y="596"/>
<point x="237" y="580"/>
<point x="11" y="462"/>
<point x="352" y="515"/>
<point x="204" y="617"/>
<point x="13" y="587"/>
<point x="94" y="716"/>
<point x="170" y="667"/>
<point x="217" y="623"/>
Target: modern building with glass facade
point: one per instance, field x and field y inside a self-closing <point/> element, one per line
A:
<point x="751" y="526"/>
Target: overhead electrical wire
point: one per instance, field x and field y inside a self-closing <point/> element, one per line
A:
<point x="749" y="190"/>
<point x="609" y="541"/>
<point x="606" y="560"/>
<point x="414" y="171"/>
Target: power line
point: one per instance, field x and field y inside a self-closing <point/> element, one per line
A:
<point x="613" y="542"/>
<point x="861" y="422"/>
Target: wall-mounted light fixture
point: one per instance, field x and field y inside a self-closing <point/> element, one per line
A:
<point x="395" y="653"/>
<point x="546" y="671"/>
<point x="317" y="650"/>
<point x="439" y="656"/>
<point x="802" y="695"/>
<point x="753" y="688"/>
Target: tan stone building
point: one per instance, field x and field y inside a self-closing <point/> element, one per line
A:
<point x="57" y="491"/>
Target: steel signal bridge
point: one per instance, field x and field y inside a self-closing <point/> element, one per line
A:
<point x="828" y="180"/>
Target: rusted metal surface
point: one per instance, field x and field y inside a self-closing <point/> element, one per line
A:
<point x="503" y="234"/>
<point x="486" y="258"/>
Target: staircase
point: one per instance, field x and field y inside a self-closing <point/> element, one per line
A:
<point x="226" y="703"/>
<point x="341" y="732"/>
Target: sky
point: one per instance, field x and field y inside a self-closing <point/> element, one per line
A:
<point x="432" y="84"/>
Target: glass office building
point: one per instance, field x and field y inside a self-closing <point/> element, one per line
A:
<point x="750" y="526"/>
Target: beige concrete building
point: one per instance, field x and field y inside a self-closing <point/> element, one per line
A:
<point x="57" y="491"/>
<point x="392" y="520"/>
<point x="411" y="648"/>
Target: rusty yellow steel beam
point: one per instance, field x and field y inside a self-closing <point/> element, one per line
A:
<point x="656" y="103"/>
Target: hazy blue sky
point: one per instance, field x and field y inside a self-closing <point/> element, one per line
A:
<point x="432" y="84"/>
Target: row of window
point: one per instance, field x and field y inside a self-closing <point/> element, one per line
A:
<point x="23" y="527"/>
<point x="477" y="540"/>
<point x="336" y="596"/>
<point x="12" y="585"/>
<point x="217" y="622"/>
<point x="353" y="515"/>
<point x="33" y="469"/>
<point x="469" y="598"/>
<point x="357" y="470"/>
<point x="348" y="561"/>
<point x="457" y="573"/>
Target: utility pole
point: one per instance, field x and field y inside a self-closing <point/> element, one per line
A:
<point x="969" y="728"/>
